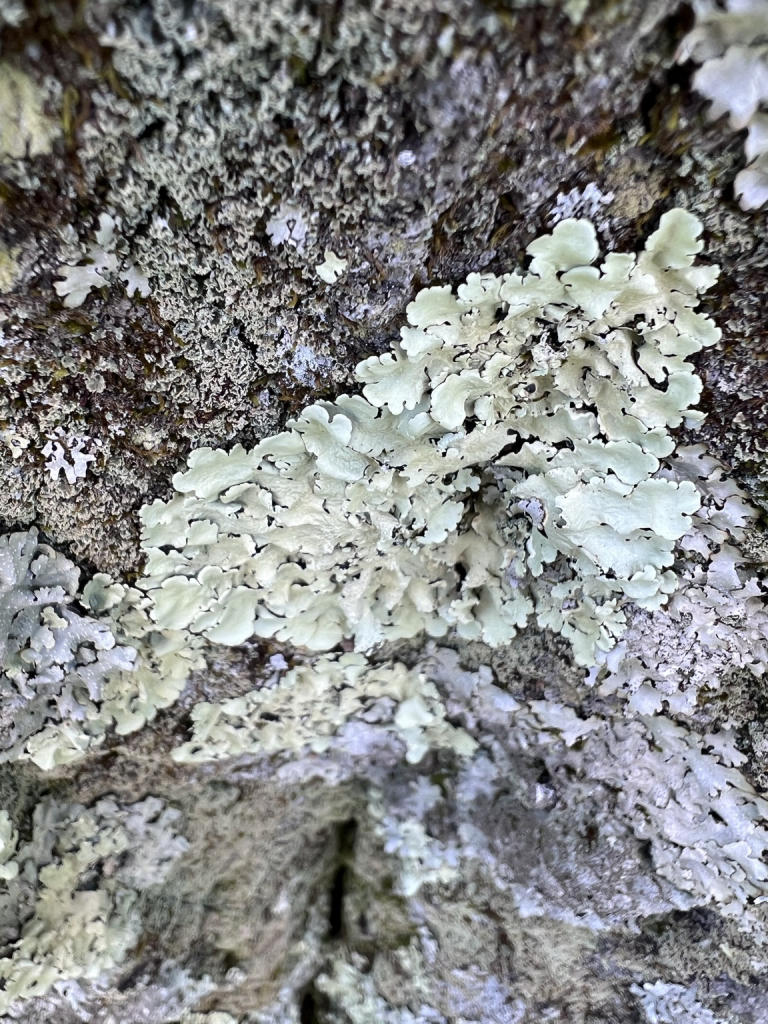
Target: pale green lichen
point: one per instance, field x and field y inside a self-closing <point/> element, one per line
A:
<point x="501" y="464"/>
<point x="132" y="695"/>
<point x="9" y="268"/>
<point x="355" y="995"/>
<point x="70" y="895"/>
<point x="716" y="620"/>
<point x="311" y="704"/>
<point x="25" y="129"/>
<point x="69" y="674"/>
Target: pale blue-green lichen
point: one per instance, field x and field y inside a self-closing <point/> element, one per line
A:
<point x="68" y="909"/>
<point x="502" y="464"/>
<point x="54" y="659"/>
<point x="73" y="667"/>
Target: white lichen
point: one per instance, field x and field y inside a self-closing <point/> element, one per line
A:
<point x="332" y="267"/>
<point x="288" y="227"/>
<point x="398" y="511"/>
<point x="69" y="455"/>
<point x="586" y="202"/>
<point x="664" y="1003"/>
<point x="106" y="261"/>
<point x="679" y="791"/>
<point x="731" y="45"/>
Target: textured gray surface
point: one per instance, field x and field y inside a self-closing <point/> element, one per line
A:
<point x="233" y="143"/>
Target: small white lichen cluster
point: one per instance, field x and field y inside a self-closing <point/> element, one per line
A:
<point x="105" y="262"/>
<point x="717" y="619"/>
<point x="68" y="905"/>
<point x="332" y="267"/>
<point x="502" y="463"/>
<point x="69" y="454"/>
<point x="732" y="47"/>
<point x="664" y="1003"/>
<point x="308" y="706"/>
<point x="54" y="660"/>
<point x="288" y="226"/>
<point x="587" y="202"/>
<point x="15" y="442"/>
<point x="68" y="676"/>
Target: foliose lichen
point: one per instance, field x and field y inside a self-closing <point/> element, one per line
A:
<point x="54" y="660"/>
<point x="502" y="464"/>
<point x="68" y="907"/>
<point x="730" y="44"/>
<point x="73" y="666"/>
<point x="311" y="704"/>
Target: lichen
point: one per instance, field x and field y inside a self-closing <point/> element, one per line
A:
<point x="70" y="674"/>
<point x="25" y="129"/>
<point x="106" y="262"/>
<point x="502" y="463"/>
<point x="69" y="909"/>
<point x="730" y="45"/>
<point x="716" y="621"/>
<point x="664" y="1003"/>
<point x="309" y="705"/>
<point x="55" y="661"/>
<point x="69" y="455"/>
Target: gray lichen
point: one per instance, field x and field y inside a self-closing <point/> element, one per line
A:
<point x="54" y="659"/>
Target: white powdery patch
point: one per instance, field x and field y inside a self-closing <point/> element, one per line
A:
<point x="502" y="465"/>
<point x="732" y="47"/>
